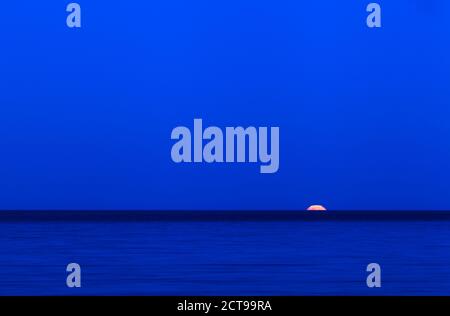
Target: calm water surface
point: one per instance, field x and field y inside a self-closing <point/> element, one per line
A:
<point x="220" y="257"/>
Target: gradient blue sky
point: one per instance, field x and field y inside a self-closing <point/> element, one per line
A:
<point x="86" y="115"/>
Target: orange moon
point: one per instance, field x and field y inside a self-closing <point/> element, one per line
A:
<point x="316" y="208"/>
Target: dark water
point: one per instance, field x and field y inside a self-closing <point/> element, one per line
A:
<point x="221" y="255"/>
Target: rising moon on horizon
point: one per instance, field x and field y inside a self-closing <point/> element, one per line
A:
<point x="316" y="208"/>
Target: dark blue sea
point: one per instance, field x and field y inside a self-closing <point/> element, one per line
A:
<point x="235" y="253"/>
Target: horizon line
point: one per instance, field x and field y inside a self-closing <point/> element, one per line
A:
<point x="221" y="215"/>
